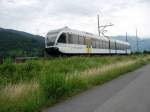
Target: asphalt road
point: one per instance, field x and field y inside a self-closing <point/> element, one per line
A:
<point x="128" y="93"/>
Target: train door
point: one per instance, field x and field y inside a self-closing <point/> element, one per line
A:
<point x="88" y="45"/>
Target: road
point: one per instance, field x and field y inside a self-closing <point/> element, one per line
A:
<point x="128" y="93"/>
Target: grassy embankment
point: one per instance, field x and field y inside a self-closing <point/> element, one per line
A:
<point x="30" y="86"/>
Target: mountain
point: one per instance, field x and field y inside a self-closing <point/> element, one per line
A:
<point x="144" y="44"/>
<point x="19" y="43"/>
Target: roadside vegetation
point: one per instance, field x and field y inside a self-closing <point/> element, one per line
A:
<point x="35" y="84"/>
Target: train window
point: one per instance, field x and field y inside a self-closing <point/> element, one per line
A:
<point x="62" y="38"/>
<point x="113" y="46"/>
<point x="100" y="44"/>
<point x="124" y="47"/>
<point x="104" y="44"/>
<point x="78" y="39"/>
<point x="127" y="47"/>
<point x="121" y="45"/>
<point x="75" y="39"/>
<point x="51" y="37"/>
<point x="97" y="43"/>
<point x="107" y="45"/>
<point x="93" y="43"/>
<point x="117" y="47"/>
<point x="49" y="42"/>
<point x="81" y="40"/>
<point x="70" y="39"/>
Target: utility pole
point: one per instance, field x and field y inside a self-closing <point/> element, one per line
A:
<point x="137" y="42"/>
<point x="101" y="29"/>
<point x="99" y="33"/>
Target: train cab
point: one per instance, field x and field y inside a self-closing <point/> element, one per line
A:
<point x="53" y="41"/>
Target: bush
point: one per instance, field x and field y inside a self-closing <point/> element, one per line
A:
<point x="7" y="68"/>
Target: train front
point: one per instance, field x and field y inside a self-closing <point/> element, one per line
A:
<point x="50" y="43"/>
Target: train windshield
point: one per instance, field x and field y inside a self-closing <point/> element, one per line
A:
<point x="62" y="38"/>
<point x="51" y="37"/>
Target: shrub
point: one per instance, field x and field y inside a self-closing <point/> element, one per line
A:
<point x="7" y="68"/>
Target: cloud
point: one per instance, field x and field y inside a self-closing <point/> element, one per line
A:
<point x="44" y="15"/>
<point x="76" y="7"/>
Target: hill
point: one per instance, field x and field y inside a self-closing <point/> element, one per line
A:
<point x="18" y="43"/>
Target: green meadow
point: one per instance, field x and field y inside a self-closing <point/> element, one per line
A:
<point x="36" y="84"/>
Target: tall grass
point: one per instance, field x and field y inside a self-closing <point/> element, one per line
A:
<point x="23" y="97"/>
<point x="29" y="86"/>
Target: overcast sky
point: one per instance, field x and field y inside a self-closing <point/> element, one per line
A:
<point x="40" y="16"/>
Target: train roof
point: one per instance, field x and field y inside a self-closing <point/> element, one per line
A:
<point x="86" y="34"/>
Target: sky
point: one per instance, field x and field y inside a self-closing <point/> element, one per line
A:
<point x="40" y="16"/>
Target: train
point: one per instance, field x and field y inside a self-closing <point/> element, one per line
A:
<point x="66" y="41"/>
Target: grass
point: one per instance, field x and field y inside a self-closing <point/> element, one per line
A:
<point x="21" y="97"/>
<point x="30" y="86"/>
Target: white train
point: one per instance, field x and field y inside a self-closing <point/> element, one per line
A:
<point x="73" y="42"/>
